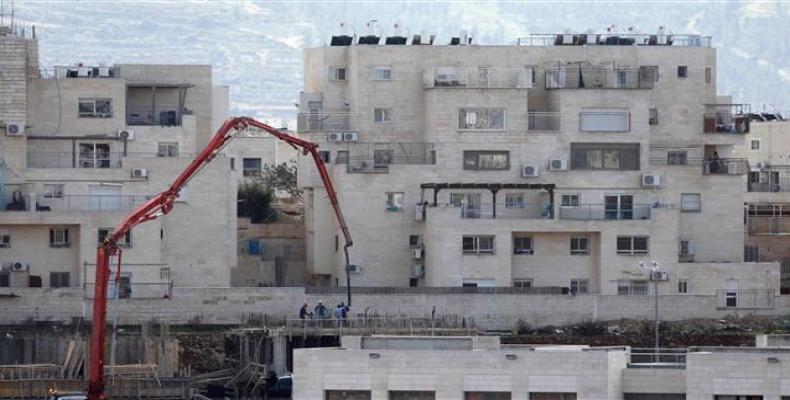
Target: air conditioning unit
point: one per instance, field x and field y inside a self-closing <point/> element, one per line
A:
<point x="530" y="171"/>
<point x="334" y="137"/>
<point x="419" y="271"/>
<point x="763" y="165"/>
<point x="659" y="275"/>
<point x="15" y="266"/>
<point x="139" y="173"/>
<point x="651" y="180"/>
<point x="15" y="129"/>
<point x="558" y="164"/>
<point x="354" y="269"/>
<point x="350" y="136"/>
<point x="126" y="134"/>
<point x="416" y="254"/>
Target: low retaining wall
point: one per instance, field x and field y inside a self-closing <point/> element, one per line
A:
<point x="238" y="305"/>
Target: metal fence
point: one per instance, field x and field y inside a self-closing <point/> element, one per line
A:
<point x="611" y="39"/>
<point x="102" y="203"/>
<point x="600" y="78"/>
<point x="725" y="166"/>
<point x="154" y="116"/>
<point x="543" y="121"/>
<point x="365" y="326"/>
<point x="69" y="159"/>
<point x="151" y="290"/>
<point x="604" y="212"/>
<point x="745" y="299"/>
<point x="506" y="211"/>
<point x="464" y="77"/>
<point x="663" y="358"/>
<point x="377" y="157"/>
<point x="768" y="225"/>
<point x="320" y="121"/>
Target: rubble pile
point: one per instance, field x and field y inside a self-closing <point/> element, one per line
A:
<point x="203" y="352"/>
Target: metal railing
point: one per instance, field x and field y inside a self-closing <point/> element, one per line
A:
<point x="377" y="157"/>
<point x="136" y="290"/>
<point x="610" y="39"/>
<point x="68" y="159"/>
<point x="726" y="166"/>
<point x="325" y="122"/>
<point x="366" y="326"/>
<point x="544" y="121"/>
<point x="154" y="116"/>
<point x="773" y="186"/>
<point x="600" y="78"/>
<point x="477" y="78"/>
<point x="768" y="225"/>
<point x="88" y="202"/>
<point x="604" y="212"/>
<point x="746" y="299"/>
<point x="506" y="211"/>
<point x="721" y="122"/>
<point x="664" y="358"/>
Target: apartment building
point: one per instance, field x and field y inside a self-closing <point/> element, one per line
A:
<point x="480" y="368"/>
<point x="561" y="161"/>
<point x="767" y="214"/>
<point x="82" y="146"/>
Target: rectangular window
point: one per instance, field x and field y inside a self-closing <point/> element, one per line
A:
<point x="532" y="75"/>
<point x="736" y="397"/>
<point x="570" y="200"/>
<point x="614" y="156"/>
<point x="53" y="191"/>
<point x="580" y="286"/>
<point x="414" y="241"/>
<point x="382" y="73"/>
<point x="382" y="115"/>
<point x="337" y="73"/>
<point x="653" y="119"/>
<point x="619" y="206"/>
<point x="708" y="75"/>
<point x="754" y="144"/>
<point x="683" y="286"/>
<point x="411" y="394"/>
<point x="626" y="287"/>
<point x="677" y="157"/>
<point x="514" y="200"/>
<point x="126" y="242"/>
<point x="168" y="149"/>
<point x="686" y="250"/>
<point x="683" y="71"/>
<point x="486" y="160"/>
<point x="5" y="279"/>
<point x="605" y="121"/>
<point x="59" y="279"/>
<point x="59" y="237"/>
<point x="522" y="282"/>
<point x="341" y="157"/>
<point x="481" y="118"/>
<point x="478" y="244"/>
<point x="649" y="72"/>
<point x="690" y="202"/>
<point x="95" y="155"/>
<point x="95" y="108"/>
<point x="251" y="166"/>
<point x="632" y="245"/>
<point x="486" y="395"/>
<point x="347" y="395"/>
<point x="751" y="254"/>
<point x="580" y="246"/>
<point x="325" y="156"/>
<point x="5" y="240"/>
<point x="523" y="245"/>
<point x="393" y="201"/>
<point x="552" y="396"/>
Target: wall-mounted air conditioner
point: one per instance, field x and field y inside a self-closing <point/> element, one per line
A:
<point x="15" y="129"/>
<point x="419" y="271"/>
<point x="354" y="269"/>
<point x="651" y="180"/>
<point x="350" y="136"/>
<point x="126" y="134"/>
<point x="416" y="254"/>
<point x="15" y="266"/>
<point x="659" y="275"/>
<point x="139" y="173"/>
<point x="530" y="171"/>
<point x="558" y="164"/>
<point x="334" y="137"/>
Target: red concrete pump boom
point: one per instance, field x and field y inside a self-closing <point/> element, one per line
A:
<point x="160" y="205"/>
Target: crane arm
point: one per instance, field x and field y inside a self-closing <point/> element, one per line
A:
<point x="162" y="204"/>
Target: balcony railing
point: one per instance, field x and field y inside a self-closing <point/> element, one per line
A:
<point x="745" y="299"/>
<point x="477" y="78"/>
<point x="599" y="78"/>
<point x="768" y="225"/>
<point x="377" y="157"/>
<point x="325" y="122"/>
<point x="154" y="116"/>
<point x="98" y="203"/>
<point x="604" y="212"/>
<point x="68" y="159"/>
<point x="723" y="122"/>
<point x="609" y="39"/>
<point x="772" y="186"/>
<point x="543" y="121"/>
<point x="506" y="211"/>
<point x="725" y="166"/>
<point x="663" y="358"/>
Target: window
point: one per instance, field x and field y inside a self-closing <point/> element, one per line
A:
<point x="605" y="121"/>
<point x="126" y="242"/>
<point x="95" y="108"/>
<point x="580" y="246"/>
<point x="686" y="250"/>
<point x="619" y="206"/>
<point x="622" y="79"/>
<point x="486" y="160"/>
<point x="383" y="158"/>
<point x="522" y="282"/>
<point x="232" y="164"/>
<point x="683" y="286"/>
<point x="341" y="157"/>
<point x="59" y="237"/>
<point x="523" y="245"/>
<point x="414" y="241"/>
<point x="59" y="279"/>
<point x="394" y="201"/>
<point x="382" y="73"/>
<point x="632" y="245"/>
<point x="551" y="396"/>
<point x="382" y="115"/>
<point x="251" y="166"/>
<point x="486" y="395"/>
<point x="708" y="75"/>
<point x="683" y="71"/>
<point x="734" y="397"/>
<point x="347" y="395"/>
<point x="5" y="279"/>
<point x="531" y="72"/>
<point x="580" y="286"/>
<point x="94" y="155"/>
<point x="690" y="202"/>
<point x="53" y="191"/>
<point x="325" y="156"/>
<point x="168" y="149"/>
<point x="414" y="282"/>
<point x="614" y="156"/>
<point x="648" y="71"/>
<point x="411" y="395"/>
<point x="653" y="119"/>
<point x="478" y="244"/>
<point x="677" y="157"/>
<point x="754" y="144"/>
<point x="570" y="200"/>
<point x="337" y="73"/>
<point x="514" y="200"/>
<point x="5" y="240"/>
<point x="751" y="254"/>
<point x="637" y="287"/>
<point x="481" y="118"/>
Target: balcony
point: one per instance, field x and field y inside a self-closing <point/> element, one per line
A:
<point x="164" y="116"/>
<point x="725" y="166"/>
<point x="38" y="202"/>
<point x="377" y="157"/>
<point x="610" y="39"/>
<point x="540" y="121"/>
<point x="600" y="78"/>
<point x="325" y="122"/>
<point x="726" y="118"/>
<point x="768" y="226"/>
<point x="478" y="78"/>
<point x="64" y="159"/>
<point x="590" y="212"/>
<point x="506" y="211"/>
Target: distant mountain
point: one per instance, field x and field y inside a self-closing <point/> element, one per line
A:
<point x="255" y="46"/>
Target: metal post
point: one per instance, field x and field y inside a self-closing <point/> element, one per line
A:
<point x="655" y="283"/>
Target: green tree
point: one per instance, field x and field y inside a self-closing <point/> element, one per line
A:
<point x="255" y="202"/>
<point x="281" y="177"/>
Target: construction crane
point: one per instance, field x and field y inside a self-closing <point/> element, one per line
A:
<point x="160" y="205"/>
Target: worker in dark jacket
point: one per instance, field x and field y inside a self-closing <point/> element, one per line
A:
<point x="303" y="311"/>
<point x="320" y="310"/>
